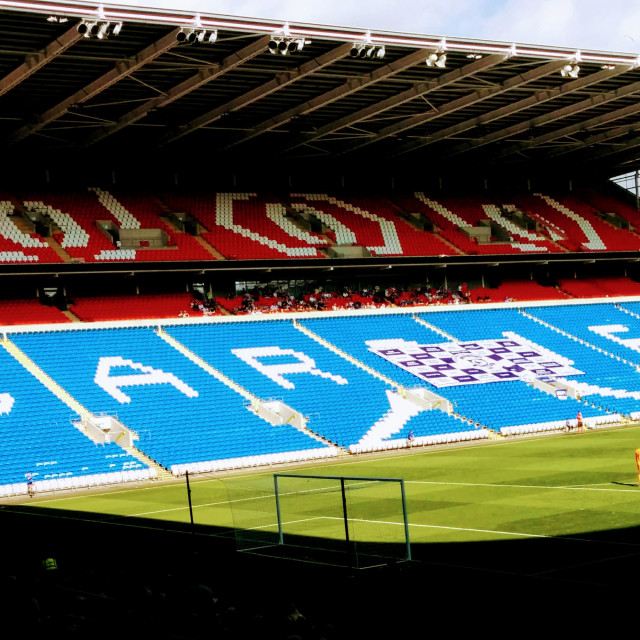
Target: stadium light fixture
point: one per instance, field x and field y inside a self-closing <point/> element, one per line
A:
<point x="437" y="59"/>
<point x="193" y="36"/>
<point x="285" y="46"/>
<point x="570" y="70"/>
<point x="59" y="19"/>
<point x="100" y="30"/>
<point x="366" y="51"/>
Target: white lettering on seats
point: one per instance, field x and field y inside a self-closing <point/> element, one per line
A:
<point x="224" y="218"/>
<point x="277" y="214"/>
<point x="125" y="218"/>
<point x="344" y="235"/>
<point x="400" y="412"/>
<point x="495" y="213"/>
<point x="276" y="372"/>
<point x="10" y="231"/>
<point x="387" y="227"/>
<point x="148" y="375"/>
<point x="594" y="241"/>
<point x="608" y="331"/>
<point x="6" y="403"/>
<point x="74" y="234"/>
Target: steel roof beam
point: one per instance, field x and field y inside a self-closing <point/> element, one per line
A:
<point x="597" y="139"/>
<point x="35" y="61"/>
<point x="183" y="88"/>
<point x="508" y="110"/>
<point x="351" y="86"/>
<point x="593" y="101"/>
<point x="278" y="82"/>
<point x="418" y="90"/>
<point x="585" y="125"/>
<point x="619" y="148"/>
<point x="460" y="103"/>
<point x="122" y="69"/>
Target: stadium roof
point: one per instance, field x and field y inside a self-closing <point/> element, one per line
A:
<point x="477" y="103"/>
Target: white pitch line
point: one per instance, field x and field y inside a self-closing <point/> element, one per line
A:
<point x="517" y="486"/>
<point x="492" y="531"/>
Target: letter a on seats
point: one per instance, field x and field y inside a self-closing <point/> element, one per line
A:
<point x="148" y="375"/>
<point x="6" y="404"/>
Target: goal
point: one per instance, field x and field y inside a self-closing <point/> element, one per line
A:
<point x="354" y="521"/>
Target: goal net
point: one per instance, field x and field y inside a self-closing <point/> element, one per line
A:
<point x="352" y="521"/>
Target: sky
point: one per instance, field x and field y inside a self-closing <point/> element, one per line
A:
<point x="607" y="25"/>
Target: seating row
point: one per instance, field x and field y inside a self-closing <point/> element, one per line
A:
<point x="252" y="226"/>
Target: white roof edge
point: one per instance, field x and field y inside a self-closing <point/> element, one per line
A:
<point x="177" y="17"/>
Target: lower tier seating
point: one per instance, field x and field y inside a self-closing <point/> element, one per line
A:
<point x="232" y="393"/>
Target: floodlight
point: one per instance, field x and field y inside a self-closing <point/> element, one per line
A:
<point x="213" y="36"/>
<point x="84" y="28"/>
<point x="200" y="36"/>
<point x="570" y="70"/>
<point x="437" y="59"/>
<point x="381" y="52"/>
<point x="284" y="46"/>
<point x="355" y="50"/>
<point x="103" y="30"/>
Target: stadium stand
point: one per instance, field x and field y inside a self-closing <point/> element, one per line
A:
<point x="322" y="379"/>
<point x="17" y="312"/>
<point x="136" y="307"/>
<point x="39" y="438"/>
<point x="208" y="423"/>
<point x="249" y="226"/>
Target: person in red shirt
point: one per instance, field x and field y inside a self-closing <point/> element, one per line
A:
<point x="579" y="418"/>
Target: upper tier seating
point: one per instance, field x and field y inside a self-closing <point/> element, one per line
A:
<point x="77" y="215"/>
<point x="453" y="214"/>
<point x="249" y="226"/>
<point x="372" y="223"/>
<point x="246" y="226"/>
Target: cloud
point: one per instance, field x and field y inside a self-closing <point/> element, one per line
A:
<point x="584" y="24"/>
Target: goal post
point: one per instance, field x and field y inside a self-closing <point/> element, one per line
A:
<point x="364" y="519"/>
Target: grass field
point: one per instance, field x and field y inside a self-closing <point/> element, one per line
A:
<point x="567" y="500"/>
<point x="540" y="521"/>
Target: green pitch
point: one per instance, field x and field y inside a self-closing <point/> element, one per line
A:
<point x="573" y="497"/>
